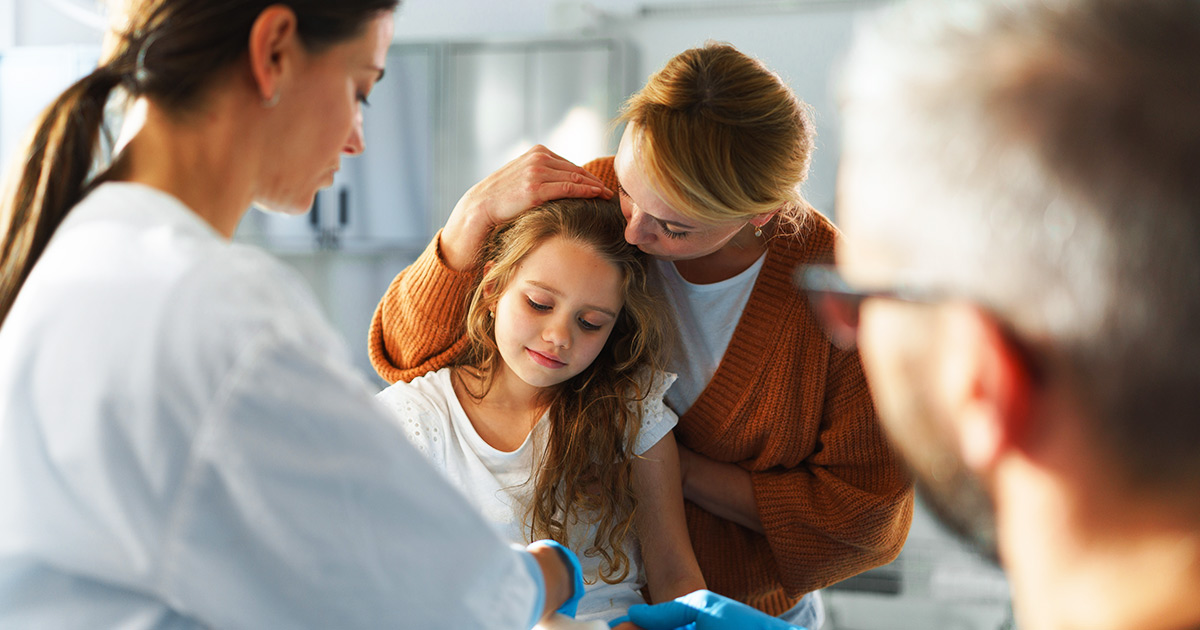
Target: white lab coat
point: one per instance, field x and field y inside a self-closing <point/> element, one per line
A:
<point x="183" y="444"/>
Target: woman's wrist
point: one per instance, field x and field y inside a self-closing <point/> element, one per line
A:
<point x="462" y="238"/>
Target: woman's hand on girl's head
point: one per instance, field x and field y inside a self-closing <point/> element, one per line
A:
<point x="537" y="176"/>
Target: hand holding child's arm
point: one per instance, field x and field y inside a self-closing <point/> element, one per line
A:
<point x="671" y="568"/>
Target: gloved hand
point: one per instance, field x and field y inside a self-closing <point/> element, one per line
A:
<point x="572" y="604"/>
<point x="702" y="610"/>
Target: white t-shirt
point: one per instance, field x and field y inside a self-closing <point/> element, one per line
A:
<point x="495" y="481"/>
<point x="184" y="444"/>
<point x="707" y="315"/>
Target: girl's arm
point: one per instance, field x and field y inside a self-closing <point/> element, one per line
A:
<point x="670" y="563"/>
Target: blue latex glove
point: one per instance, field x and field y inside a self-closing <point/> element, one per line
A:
<point x="571" y="605"/>
<point x="703" y="610"/>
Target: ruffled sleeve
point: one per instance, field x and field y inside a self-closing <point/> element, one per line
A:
<point x="657" y="417"/>
<point x="425" y="422"/>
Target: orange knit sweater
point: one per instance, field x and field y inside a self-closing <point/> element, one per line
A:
<point x="784" y="404"/>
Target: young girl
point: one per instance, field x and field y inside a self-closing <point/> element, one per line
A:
<point x="553" y="423"/>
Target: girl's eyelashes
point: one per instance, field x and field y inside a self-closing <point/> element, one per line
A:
<point x="543" y="308"/>
<point x="589" y="326"/>
<point x="362" y="98"/>
<point x="621" y="191"/>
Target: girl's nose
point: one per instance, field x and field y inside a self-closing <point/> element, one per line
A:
<point x="558" y="333"/>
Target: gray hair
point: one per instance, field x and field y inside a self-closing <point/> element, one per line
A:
<point x="1043" y="159"/>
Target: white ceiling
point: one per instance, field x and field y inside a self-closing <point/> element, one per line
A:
<point x="43" y="22"/>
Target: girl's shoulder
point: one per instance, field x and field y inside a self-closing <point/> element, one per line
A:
<point x="656" y="383"/>
<point x="422" y="407"/>
<point x="657" y="418"/>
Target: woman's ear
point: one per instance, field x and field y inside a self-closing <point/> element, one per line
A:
<point x="760" y="220"/>
<point x="273" y="39"/>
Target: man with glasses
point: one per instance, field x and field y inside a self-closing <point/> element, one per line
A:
<point x="1020" y="205"/>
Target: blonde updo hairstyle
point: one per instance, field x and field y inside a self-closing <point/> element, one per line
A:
<point x="585" y="471"/>
<point x="722" y="137"/>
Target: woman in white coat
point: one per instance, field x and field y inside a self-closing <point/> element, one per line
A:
<point x="183" y="443"/>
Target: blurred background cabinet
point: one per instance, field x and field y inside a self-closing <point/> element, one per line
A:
<point x="501" y="99"/>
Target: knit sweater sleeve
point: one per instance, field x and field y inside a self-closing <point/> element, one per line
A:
<point x="418" y="326"/>
<point x="848" y="507"/>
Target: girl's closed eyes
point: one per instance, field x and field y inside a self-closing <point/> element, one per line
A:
<point x="585" y="323"/>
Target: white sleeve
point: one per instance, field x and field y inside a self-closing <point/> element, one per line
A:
<point x="657" y="418"/>
<point x="304" y="506"/>
<point x="423" y="424"/>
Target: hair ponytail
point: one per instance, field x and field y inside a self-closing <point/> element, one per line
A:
<point x="51" y="180"/>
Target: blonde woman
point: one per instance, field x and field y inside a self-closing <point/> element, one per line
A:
<point x="789" y="481"/>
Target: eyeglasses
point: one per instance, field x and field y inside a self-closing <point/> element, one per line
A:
<point x="837" y="304"/>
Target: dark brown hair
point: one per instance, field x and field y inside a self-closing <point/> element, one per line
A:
<point x="170" y="52"/>
<point x="585" y="470"/>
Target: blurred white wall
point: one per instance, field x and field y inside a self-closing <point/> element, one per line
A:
<point x="49" y="22"/>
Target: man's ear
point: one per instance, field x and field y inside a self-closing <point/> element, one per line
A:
<point x="273" y="38"/>
<point x="990" y="385"/>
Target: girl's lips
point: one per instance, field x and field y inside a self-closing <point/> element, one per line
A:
<point x="545" y="360"/>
